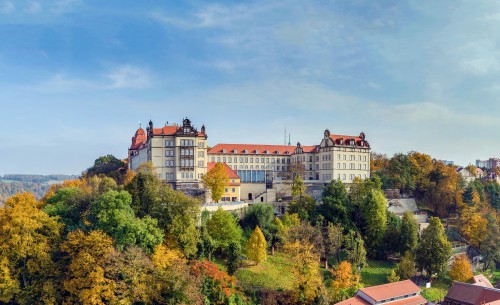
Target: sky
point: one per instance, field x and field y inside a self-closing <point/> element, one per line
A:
<point x="77" y="76"/>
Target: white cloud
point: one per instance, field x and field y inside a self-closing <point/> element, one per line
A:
<point x="63" y="82"/>
<point x="129" y="77"/>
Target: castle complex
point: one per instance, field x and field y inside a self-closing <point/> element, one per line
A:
<point x="180" y="156"/>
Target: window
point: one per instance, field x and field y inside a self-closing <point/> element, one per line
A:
<point x="241" y="159"/>
<point x="201" y="154"/>
<point x="345" y="157"/>
<point x="230" y="159"/>
<point x="218" y="159"/>
<point x="256" y="160"/>
<point x="233" y="190"/>
<point x="201" y="144"/>
<point x="364" y="158"/>
<point x="267" y="160"/>
<point x="212" y="159"/>
<point x="343" y="177"/>
<point x="200" y="164"/>
<point x="345" y="165"/>
<point x="226" y="190"/>
<point x="338" y="157"/>
<point x="251" y="160"/>
<point x="224" y="159"/>
<point x="261" y="160"/>
<point x="246" y="160"/>
<point x="338" y="165"/>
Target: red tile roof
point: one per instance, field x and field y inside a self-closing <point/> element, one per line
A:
<point x="391" y="290"/>
<point x="416" y="300"/>
<point x="472" y="294"/>
<point x="166" y="130"/>
<point x="358" y="140"/>
<point x="138" y="139"/>
<point x="356" y="300"/>
<point x="230" y="172"/>
<point x="481" y="280"/>
<point x="252" y="149"/>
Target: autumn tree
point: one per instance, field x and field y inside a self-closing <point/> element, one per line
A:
<point x="409" y="232"/>
<point x="306" y="233"/>
<point x="421" y="166"/>
<point x="461" y="270"/>
<point x="28" y="243"/>
<point x="256" y="246"/>
<point x="306" y="272"/>
<point x="298" y="187"/>
<point x="216" y="181"/>
<point x="489" y="247"/>
<point x="86" y="280"/>
<point x="434" y="249"/>
<point x="474" y="226"/>
<point x="345" y="282"/>
<point x="393" y="277"/>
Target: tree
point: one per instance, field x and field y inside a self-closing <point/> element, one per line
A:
<point x="345" y="283"/>
<point x="461" y="270"/>
<point x="489" y="247"/>
<point x="409" y="233"/>
<point x="304" y="206"/>
<point x="355" y="248"/>
<point x="406" y="268"/>
<point x="145" y="190"/>
<point x="392" y="237"/>
<point x="217" y="286"/>
<point x="109" y="166"/>
<point x="233" y="257"/>
<point x="421" y="166"/>
<point x="336" y="207"/>
<point x="216" y="181"/>
<point x="472" y="169"/>
<point x="298" y="187"/>
<point x="474" y="226"/>
<point x="333" y="242"/>
<point x="28" y="245"/>
<point x="86" y="280"/>
<point x="224" y="229"/>
<point x="305" y="233"/>
<point x="434" y="249"/>
<point x="393" y="277"/>
<point x="256" y="246"/>
<point x="113" y="214"/>
<point x="305" y="267"/>
<point x="258" y="214"/>
<point x="374" y="211"/>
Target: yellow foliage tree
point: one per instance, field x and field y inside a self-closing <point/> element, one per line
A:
<point x="461" y="269"/>
<point x="474" y="226"/>
<point x="305" y="267"/>
<point x="216" y="181"/>
<point x="163" y="257"/>
<point x="8" y="285"/>
<point x="256" y="246"/>
<point x="345" y="281"/>
<point x="28" y="237"/>
<point x="86" y="280"/>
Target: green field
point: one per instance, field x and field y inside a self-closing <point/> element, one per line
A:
<point x="376" y="272"/>
<point x="274" y="273"/>
<point x="436" y="292"/>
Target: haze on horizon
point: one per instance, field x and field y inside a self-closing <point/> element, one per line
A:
<point x="77" y="76"/>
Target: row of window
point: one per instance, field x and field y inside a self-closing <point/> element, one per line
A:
<point x="171" y="143"/>
<point x="252" y="175"/>
<point x="188" y="162"/>
<point x="185" y="152"/>
<point x="250" y="160"/>
<point x="328" y="157"/>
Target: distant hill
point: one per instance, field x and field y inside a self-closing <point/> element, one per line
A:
<point x="11" y="184"/>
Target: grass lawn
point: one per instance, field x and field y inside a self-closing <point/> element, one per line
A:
<point x="376" y="272"/>
<point x="274" y="273"/>
<point x="496" y="277"/>
<point x="436" y="292"/>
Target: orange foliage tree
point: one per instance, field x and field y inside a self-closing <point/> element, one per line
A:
<point x="461" y="269"/>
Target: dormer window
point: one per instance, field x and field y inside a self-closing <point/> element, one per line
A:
<point x="235" y="151"/>
<point x="256" y="151"/>
<point x="245" y="151"/>
<point x="267" y="151"/>
<point x="223" y="151"/>
<point x="278" y="152"/>
<point x="287" y="152"/>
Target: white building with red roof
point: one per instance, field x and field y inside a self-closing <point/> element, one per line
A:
<point x="397" y="293"/>
<point x="177" y="152"/>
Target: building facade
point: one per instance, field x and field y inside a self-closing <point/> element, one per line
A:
<point x="490" y="164"/>
<point x="180" y="156"/>
<point x="177" y="152"/>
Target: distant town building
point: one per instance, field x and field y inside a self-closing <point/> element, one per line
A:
<point x="468" y="176"/>
<point x="398" y="293"/>
<point x="448" y="162"/>
<point x="490" y="164"/>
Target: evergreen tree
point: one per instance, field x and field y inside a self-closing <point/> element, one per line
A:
<point x="434" y="249"/>
<point x="468" y="195"/>
<point x="233" y="258"/>
<point x="256" y="246"/>
<point x="392" y="234"/>
<point x="374" y="213"/>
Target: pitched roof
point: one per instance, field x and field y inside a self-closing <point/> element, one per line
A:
<point x="481" y="280"/>
<point x="230" y="172"/>
<point x="391" y="290"/>
<point x="357" y="139"/>
<point x="356" y="300"/>
<point x="165" y="130"/>
<point x="473" y="294"/>
<point x="260" y="149"/>
<point x="138" y="139"/>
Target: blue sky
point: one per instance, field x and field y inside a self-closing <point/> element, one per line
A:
<point x="76" y="77"/>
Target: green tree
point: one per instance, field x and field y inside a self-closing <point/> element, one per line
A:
<point x="468" y="195"/>
<point x="489" y="247"/>
<point x="392" y="234"/>
<point x="259" y="214"/>
<point x="333" y="242"/>
<point x="216" y="181"/>
<point x="336" y="207"/>
<point x="355" y="249"/>
<point x="374" y="213"/>
<point x="109" y="166"/>
<point x="144" y="189"/>
<point x="233" y="257"/>
<point x="223" y="227"/>
<point x="434" y="249"/>
<point x="298" y="187"/>
<point x="304" y="206"/>
<point x="393" y="277"/>
<point x="256" y="246"/>
<point x="409" y="233"/>
<point x="406" y="268"/>
<point x="113" y="214"/>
